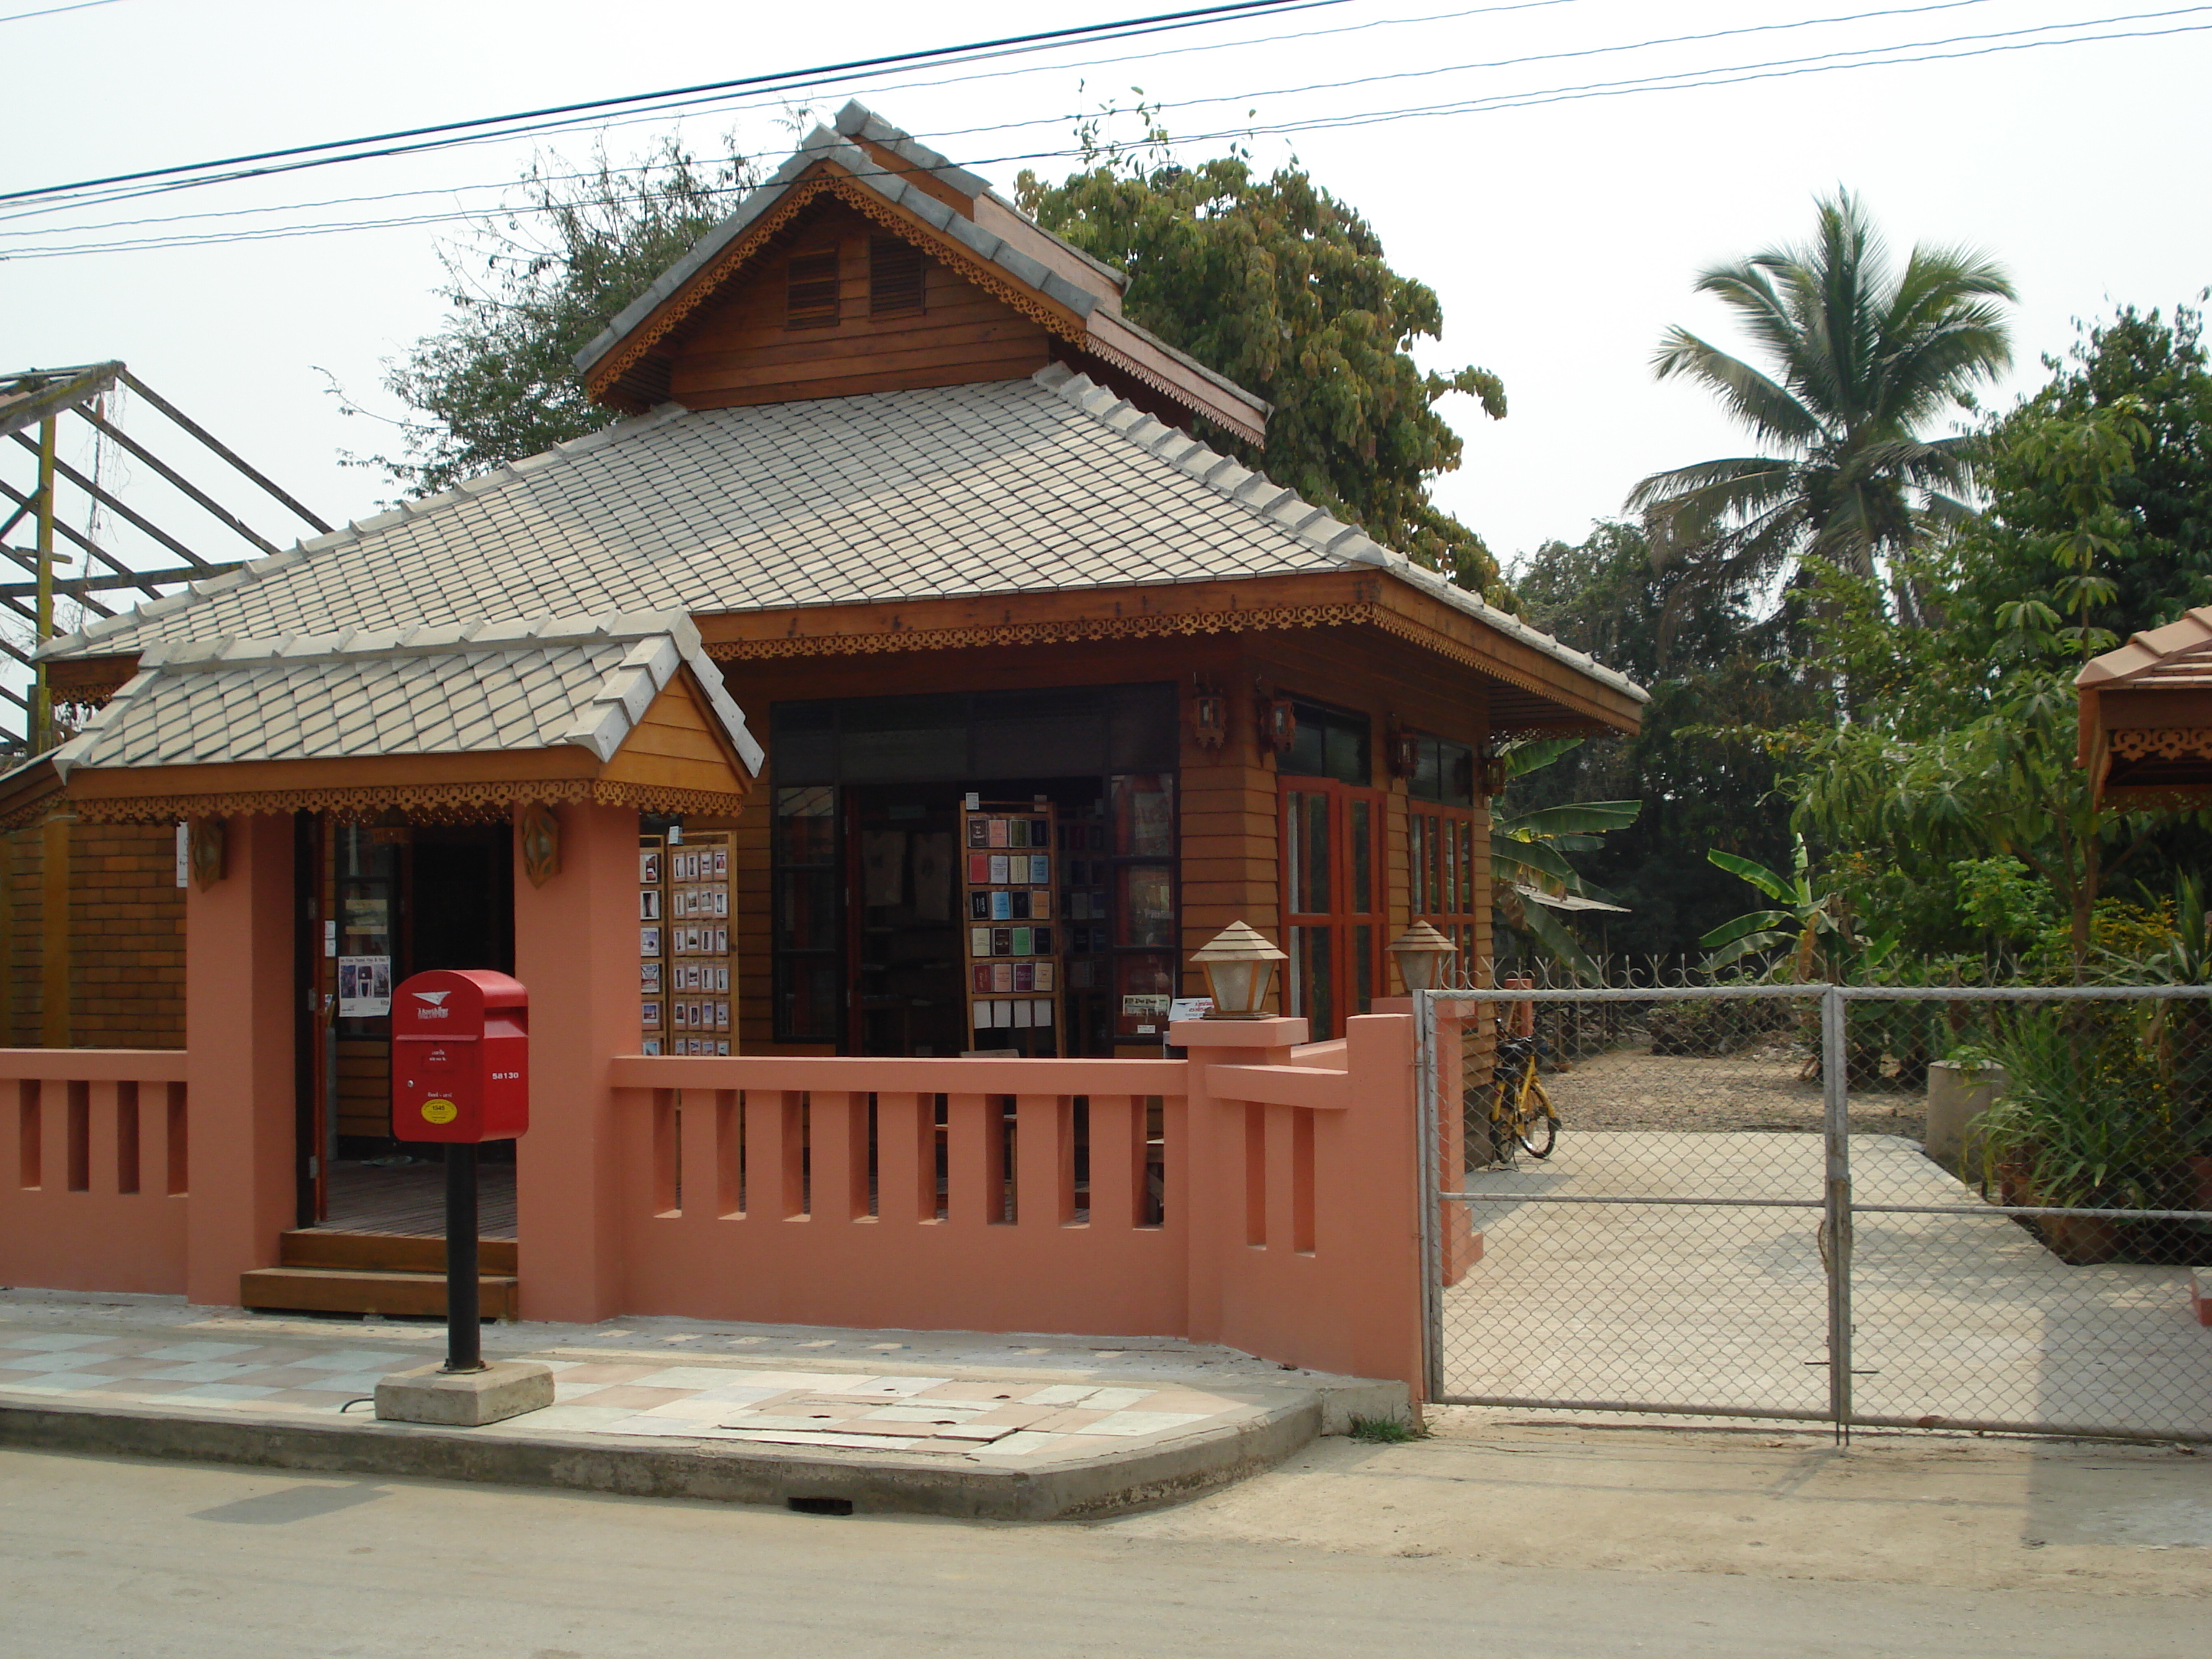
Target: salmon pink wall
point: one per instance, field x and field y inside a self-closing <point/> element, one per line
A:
<point x="94" y="1169"/>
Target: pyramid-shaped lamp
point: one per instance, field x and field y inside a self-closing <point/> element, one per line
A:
<point x="1239" y="966"/>
<point x="1421" y="953"/>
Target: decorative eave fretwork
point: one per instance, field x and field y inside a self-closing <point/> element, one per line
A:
<point x="2171" y="742"/>
<point x="484" y="802"/>
<point x="1555" y="697"/>
<point x="612" y="380"/>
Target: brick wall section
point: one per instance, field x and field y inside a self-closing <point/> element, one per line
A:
<point x="127" y="937"/>
<point x="23" y="864"/>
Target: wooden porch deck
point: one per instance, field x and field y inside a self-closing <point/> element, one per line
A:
<point x="409" y="1200"/>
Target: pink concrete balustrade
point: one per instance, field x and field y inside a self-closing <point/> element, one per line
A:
<point x="98" y="1169"/>
<point x="1247" y="1195"/>
<point x="1264" y="1193"/>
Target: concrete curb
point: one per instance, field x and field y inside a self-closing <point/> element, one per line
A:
<point x="872" y="1482"/>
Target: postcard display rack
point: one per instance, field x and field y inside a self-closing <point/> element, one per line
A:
<point x="1013" y="942"/>
<point x="685" y="970"/>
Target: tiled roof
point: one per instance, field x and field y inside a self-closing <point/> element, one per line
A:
<point x="2175" y="656"/>
<point x="993" y="488"/>
<point x="447" y="689"/>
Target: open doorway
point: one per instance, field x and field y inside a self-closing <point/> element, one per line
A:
<point x="395" y="899"/>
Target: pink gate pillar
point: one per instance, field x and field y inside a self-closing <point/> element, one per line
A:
<point x="1305" y="1225"/>
<point x="575" y="947"/>
<point x="237" y="1070"/>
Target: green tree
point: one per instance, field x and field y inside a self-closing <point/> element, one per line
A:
<point x="1284" y="289"/>
<point x="2099" y="521"/>
<point x="1703" y="764"/>
<point x="1859" y="363"/>
<point x="531" y="288"/>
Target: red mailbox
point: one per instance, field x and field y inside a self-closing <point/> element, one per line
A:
<point x="460" y="1056"/>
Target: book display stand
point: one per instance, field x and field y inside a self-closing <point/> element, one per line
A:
<point x="1014" y="940"/>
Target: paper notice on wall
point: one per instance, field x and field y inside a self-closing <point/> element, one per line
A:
<point x="364" y="987"/>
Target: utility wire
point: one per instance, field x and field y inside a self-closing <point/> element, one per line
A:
<point x="1158" y="22"/>
<point x="1734" y="76"/>
<point x="943" y="135"/>
<point x="1056" y="120"/>
<point x="53" y="11"/>
<point x="1688" y="80"/>
<point x="720" y="103"/>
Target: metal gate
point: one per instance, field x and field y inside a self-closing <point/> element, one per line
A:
<point x="1745" y="1215"/>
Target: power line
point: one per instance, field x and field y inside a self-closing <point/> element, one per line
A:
<point x="1158" y="22"/>
<point x="1735" y="75"/>
<point x="1503" y="63"/>
<point x="941" y="137"/>
<point x="718" y="103"/>
<point x="54" y="11"/>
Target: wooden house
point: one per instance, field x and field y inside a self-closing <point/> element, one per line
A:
<point x="1049" y="691"/>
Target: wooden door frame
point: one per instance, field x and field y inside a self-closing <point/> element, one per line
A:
<point x="1341" y="921"/>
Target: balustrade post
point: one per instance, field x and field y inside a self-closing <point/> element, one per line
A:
<point x="575" y="948"/>
<point x="1214" y="1159"/>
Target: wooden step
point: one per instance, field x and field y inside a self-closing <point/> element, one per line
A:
<point x="355" y="1290"/>
<point x="318" y="1247"/>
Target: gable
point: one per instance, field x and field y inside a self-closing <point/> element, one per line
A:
<point x="678" y="745"/>
<point x="878" y="173"/>
<point x="842" y="305"/>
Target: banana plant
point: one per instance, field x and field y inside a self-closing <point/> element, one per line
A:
<point x="1528" y="853"/>
<point x="1795" y="929"/>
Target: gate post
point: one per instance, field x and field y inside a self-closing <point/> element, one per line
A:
<point x="239" y="1027"/>
<point x="575" y="947"/>
<point x="1835" y="1222"/>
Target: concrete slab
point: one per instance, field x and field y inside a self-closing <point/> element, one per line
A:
<point x="467" y="1400"/>
<point x="1956" y="1318"/>
<point x="1010" y="1427"/>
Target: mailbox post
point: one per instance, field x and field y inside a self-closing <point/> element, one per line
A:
<point x="460" y="1076"/>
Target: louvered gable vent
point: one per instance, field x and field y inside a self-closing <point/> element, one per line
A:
<point x="896" y="275"/>
<point x="811" y="290"/>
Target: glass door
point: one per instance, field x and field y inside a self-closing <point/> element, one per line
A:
<point x="1331" y="904"/>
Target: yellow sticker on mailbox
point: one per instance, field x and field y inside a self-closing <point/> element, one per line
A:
<point x="440" y="1111"/>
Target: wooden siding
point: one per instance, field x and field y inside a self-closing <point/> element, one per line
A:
<point x="1228" y="796"/>
<point x="106" y="922"/>
<point x="677" y="745"/>
<point x="737" y="349"/>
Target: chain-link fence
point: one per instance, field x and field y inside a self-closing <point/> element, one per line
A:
<point x="1967" y="1208"/>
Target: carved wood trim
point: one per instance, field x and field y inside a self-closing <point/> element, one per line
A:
<point x="490" y="802"/>
<point x="2162" y="743"/>
<point x="1147" y="625"/>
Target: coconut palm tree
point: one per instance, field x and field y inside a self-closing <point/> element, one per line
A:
<point x="1859" y="363"/>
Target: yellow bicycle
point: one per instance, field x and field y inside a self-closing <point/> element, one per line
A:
<point x="1520" y="1114"/>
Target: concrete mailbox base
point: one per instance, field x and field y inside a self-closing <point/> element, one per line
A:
<point x="465" y="1400"/>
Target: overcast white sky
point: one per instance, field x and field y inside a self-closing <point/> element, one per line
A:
<point x="1562" y="237"/>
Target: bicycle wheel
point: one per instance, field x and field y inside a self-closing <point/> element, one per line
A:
<point x="1501" y="1127"/>
<point x="1535" y="1126"/>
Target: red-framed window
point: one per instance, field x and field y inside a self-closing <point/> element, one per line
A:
<point x="1332" y="870"/>
<point x="1443" y="841"/>
<point x="1440" y="854"/>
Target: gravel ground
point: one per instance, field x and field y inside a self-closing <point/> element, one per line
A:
<point x="1757" y="1089"/>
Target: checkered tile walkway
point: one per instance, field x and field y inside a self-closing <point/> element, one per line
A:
<point x="619" y="1395"/>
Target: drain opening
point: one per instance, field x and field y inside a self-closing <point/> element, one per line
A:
<point x="820" y="1505"/>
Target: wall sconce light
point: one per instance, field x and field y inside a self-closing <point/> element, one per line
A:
<point x="539" y="833"/>
<point x="1239" y="965"/>
<point x="1209" y="715"/>
<point x="1490" y="774"/>
<point x="1421" y="953"/>
<point x="1405" y="751"/>
<point x="205" y="849"/>
<point x="1278" y="723"/>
